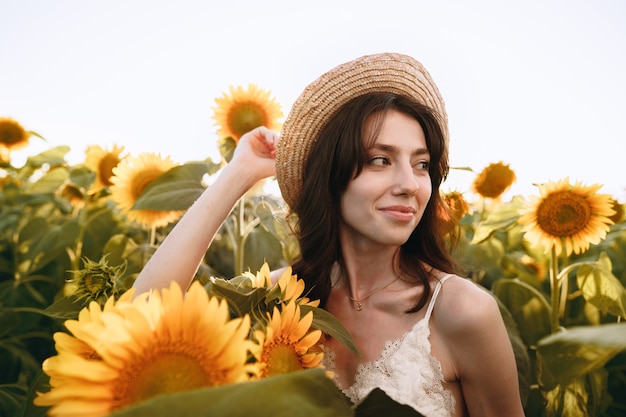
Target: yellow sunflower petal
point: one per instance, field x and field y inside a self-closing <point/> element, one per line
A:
<point x="287" y="343"/>
<point x="567" y="217"/>
<point x="102" y="161"/>
<point x="130" y="179"/>
<point x="243" y="110"/>
<point x="138" y="357"/>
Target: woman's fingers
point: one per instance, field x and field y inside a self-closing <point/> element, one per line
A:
<point x="262" y="141"/>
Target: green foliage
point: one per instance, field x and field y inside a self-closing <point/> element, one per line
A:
<point x="577" y="369"/>
<point x="306" y="393"/>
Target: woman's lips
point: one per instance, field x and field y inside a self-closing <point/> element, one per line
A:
<point x="402" y="213"/>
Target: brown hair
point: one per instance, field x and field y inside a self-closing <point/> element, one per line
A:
<point x="336" y="157"/>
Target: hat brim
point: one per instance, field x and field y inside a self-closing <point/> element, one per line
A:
<point x="320" y="100"/>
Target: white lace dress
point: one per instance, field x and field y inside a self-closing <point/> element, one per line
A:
<point x="406" y="371"/>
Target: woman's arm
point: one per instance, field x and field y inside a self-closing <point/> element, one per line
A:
<point x="480" y="349"/>
<point x="179" y="255"/>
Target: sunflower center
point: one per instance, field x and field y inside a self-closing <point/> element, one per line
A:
<point x="563" y="213"/>
<point x="11" y="133"/>
<point x="164" y="368"/>
<point x="245" y="117"/>
<point x="281" y="359"/>
<point x="105" y="168"/>
<point x="95" y="283"/>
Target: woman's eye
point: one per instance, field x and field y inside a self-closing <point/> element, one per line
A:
<point x="423" y="165"/>
<point x="379" y="160"/>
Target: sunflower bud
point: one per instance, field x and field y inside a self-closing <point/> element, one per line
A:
<point x="97" y="281"/>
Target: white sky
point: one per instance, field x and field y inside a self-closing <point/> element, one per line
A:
<point x="539" y="85"/>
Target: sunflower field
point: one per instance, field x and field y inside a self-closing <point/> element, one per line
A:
<point x="74" y="342"/>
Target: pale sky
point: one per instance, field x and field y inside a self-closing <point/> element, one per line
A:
<point x="539" y="85"/>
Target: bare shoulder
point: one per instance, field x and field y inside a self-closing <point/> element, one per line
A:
<point x="463" y="306"/>
<point x="277" y="273"/>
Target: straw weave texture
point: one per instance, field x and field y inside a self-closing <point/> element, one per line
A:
<point x="387" y="72"/>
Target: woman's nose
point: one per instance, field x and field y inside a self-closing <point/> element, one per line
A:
<point x="405" y="180"/>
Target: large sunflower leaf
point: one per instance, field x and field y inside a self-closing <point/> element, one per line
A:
<point x="378" y="403"/>
<point x="502" y="218"/>
<point x="528" y="307"/>
<point x="562" y="357"/>
<point x="50" y="182"/>
<point x="64" y="308"/>
<point x="581" y="397"/>
<point x="41" y="243"/>
<point x="242" y="297"/>
<point x="175" y="189"/>
<point x="54" y="156"/>
<point x="601" y="288"/>
<point x="82" y="177"/>
<point x="302" y="394"/>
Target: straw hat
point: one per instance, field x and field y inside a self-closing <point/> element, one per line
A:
<point x="386" y="72"/>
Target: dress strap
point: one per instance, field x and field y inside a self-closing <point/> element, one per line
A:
<point x="431" y="304"/>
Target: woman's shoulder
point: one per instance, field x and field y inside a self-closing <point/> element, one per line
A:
<point x="463" y="305"/>
<point x="277" y="273"/>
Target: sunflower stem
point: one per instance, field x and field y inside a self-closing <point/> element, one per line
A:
<point x="152" y="235"/>
<point x="554" y="290"/>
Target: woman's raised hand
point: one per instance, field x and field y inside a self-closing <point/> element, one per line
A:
<point x="256" y="151"/>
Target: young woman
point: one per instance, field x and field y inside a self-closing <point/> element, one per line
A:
<point x="360" y="161"/>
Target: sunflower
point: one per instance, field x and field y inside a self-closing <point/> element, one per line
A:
<point x="131" y="351"/>
<point x="452" y="210"/>
<point x="244" y="110"/>
<point x="457" y="204"/>
<point x="73" y="195"/>
<point x="102" y="162"/>
<point x="619" y="211"/>
<point x="130" y="179"/>
<point x="97" y="281"/>
<point x="567" y="217"/>
<point x="494" y="180"/>
<point x="287" y="343"/>
<point x="292" y="289"/>
<point x="262" y="278"/>
<point x="12" y="134"/>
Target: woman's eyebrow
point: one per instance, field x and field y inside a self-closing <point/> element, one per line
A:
<point x="394" y="149"/>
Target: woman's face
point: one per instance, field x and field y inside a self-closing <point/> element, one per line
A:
<point x="384" y="204"/>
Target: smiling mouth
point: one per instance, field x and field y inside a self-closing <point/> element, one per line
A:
<point x="400" y="212"/>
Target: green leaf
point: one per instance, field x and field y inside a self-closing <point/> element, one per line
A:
<point x="528" y="307"/>
<point x="378" y="404"/>
<point x="581" y="397"/>
<point x="65" y="308"/>
<point x="41" y="243"/>
<point x="99" y="227"/>
<point x="278" y="226"/>
<point x="50" y="182"/>
<point x="11" y="398"/>
<point x="328" y="324"/>
<point x="503" y="218"/>
<point x="54" y="156"/>
<point x="241" y="298"/>
<point x="82" y="177"/>
<point x="41" y="383"/>
<point x="301" y="393"/>
<point x="572" y="353"/>
<point x="601" y="288"/>
<point x="175" y="189"/>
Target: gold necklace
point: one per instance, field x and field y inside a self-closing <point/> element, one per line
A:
<point x="358" y="305"/>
